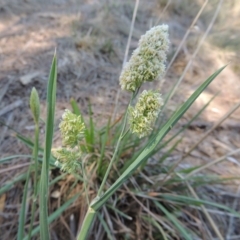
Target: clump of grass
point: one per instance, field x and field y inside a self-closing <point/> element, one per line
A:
<point x="119" y="166"/>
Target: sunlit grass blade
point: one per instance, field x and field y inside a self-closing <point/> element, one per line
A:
<point x="51" y="100"/>
<point x="174" y="220"/>
<point x="55" y="215"/>
<point x="152" y="144"/>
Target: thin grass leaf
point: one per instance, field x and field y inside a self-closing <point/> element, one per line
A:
<point x="28" y="142"/>
<point x="55" y="215"/>
<point x="105" y="226"/>
<point x="57" y="179"/>
<point x="76" y="109"/>
<point x="186" y="125"/>
<point x="10" y="184"/>
<point x="174" y="220"/>
<point x="6" y="159"/>
<point x="152" y="144"/>
<point x="35" y="192"/>
<point x="206" y="213"/>
<point x="156" y="225"/>
<point x="21" y="222"/>
<point x="154" y="134"/>
<point x="167" y="154"/>
<point x="51" y="100"/>
<point x="119" y="212"/>
<point x="90" y="133"/>
<point x="186" y="200"/>
<point x="104" y="140"/>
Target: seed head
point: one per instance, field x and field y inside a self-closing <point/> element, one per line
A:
<point x="148" y="60"/>
<point x="35" y="105"/>
<point x="72" y="129"/>
<point x="144" y="114"/>
<point x="68" y="159"/>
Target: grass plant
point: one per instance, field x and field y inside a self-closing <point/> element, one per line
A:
<point x="123" y="165"/>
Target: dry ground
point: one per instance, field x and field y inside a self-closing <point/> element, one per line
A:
<point x="90" y="38"/>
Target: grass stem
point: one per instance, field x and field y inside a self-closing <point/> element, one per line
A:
<point x="35" y="157"/>
<point x="116" y="150"/>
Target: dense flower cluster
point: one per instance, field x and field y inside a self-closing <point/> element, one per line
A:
<point x="72" y="129"/>
<point x="68" y="159"/>
<point x="148" y="60"/>
<point x="144" y="114"/>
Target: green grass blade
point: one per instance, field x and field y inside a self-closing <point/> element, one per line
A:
<point x="156" y="225"/>
<point x="6" y="159"/>
<point x="28" y="142"/>
<point x="117" y="211"/>
<point x="167" y="154"/>
<point x="128" y="162"/>
<point x="105" y="226"/>
<point x="10" y="184"/>
<point x="174" y="220"/>
<point x="90" y="133"/>
<point x="152" y="144"/>
<point x="197" y="202"/>
<point x="57" y="179"/>
<point x="186" y="125"/>
<point x="55" y="215"/>
<point x="21" y="222"/>
<point x="90" y="215"/>
<point x="35" y="191"/>
<point x="75" y="108"/>
<point x="104" y="139"/>
<point x="51" y="100"/>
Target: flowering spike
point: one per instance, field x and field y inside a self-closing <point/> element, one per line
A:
<point x="68" y="159"/>
<point x="35" y="105"/>
<point x="148" y="60"/>
<point x="144" y="114"/>
<point x="72" y="128"/>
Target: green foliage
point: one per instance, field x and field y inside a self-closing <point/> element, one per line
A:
<point x="114" y="155"/>
<point x="51" y="100"/>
